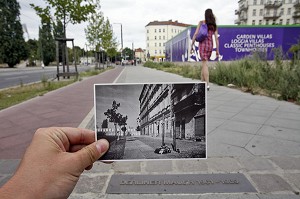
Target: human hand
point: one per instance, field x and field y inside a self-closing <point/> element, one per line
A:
<point x="53" y="163"/>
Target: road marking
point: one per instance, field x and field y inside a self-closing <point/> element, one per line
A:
<point x="19" y="77"/>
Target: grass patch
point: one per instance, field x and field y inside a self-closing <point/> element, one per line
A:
<point x="13" y="96"/>
<point x="189" y="71"/>
<point x="16" y="95"/>
<point x="278" y="79"/>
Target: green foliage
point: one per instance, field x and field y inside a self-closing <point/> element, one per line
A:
<point x="32" y="46"/>
<point x="10" y="97"/>
<point x="13" y="48"/>
<point x="47" y="46"/>
<point x="66" y="11"/>
<point x="280" y="79"/>
<point x="128" y="53"/>
<point x="99" y="32"/>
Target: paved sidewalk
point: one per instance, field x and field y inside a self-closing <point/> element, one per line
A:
<point x="254" y="135"/>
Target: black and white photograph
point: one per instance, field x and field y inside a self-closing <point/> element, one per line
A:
<point x="152" y="121"/>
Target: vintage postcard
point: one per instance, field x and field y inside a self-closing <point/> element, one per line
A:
<point x="152" y="121"/>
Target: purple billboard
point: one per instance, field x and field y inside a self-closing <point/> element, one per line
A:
<point x="236" y="42"/>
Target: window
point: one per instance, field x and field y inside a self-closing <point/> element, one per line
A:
<point x="288" y="22"/>
<point x="254" y="12"/>
<point x="155" y="37"/>
<point x="159" y="30"/>
<point x="159" y="37"/>
<point x="274" y="22"/>
<point x="154" y="30"/>
<point x="254" y="2"/>
<point x="282" y="11"/>
<point x="280" y="21"/>
<point x="289" y="11"/>
<point x="261" y="11"/>
<point x="155" y="45"/>
<point x="260" y="22"/>
<point x="261" y="2"/>
<point x="163" y="30"/>
<point x="155" y="52"/>
<point x="164" y="37"/>
<point x="267" y="22"/>
<point x="159" y="44"/>
<point x="253" y="22"/>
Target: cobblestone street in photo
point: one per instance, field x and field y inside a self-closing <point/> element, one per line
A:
<point x="143" y="147"/>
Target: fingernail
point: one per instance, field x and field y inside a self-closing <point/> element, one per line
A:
<point x="102" y="145"/>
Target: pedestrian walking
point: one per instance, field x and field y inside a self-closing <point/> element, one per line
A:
<point x="206" y="45"/>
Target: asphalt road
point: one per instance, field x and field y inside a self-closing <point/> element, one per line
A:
<point x="10" y="77"/>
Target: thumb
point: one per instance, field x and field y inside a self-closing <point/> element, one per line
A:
<point x="89" y="154"/>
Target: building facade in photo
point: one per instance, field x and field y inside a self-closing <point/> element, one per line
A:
<point x="173" y="111"/>
<point x="157" y="34"/>
<point x="268" y="12"/>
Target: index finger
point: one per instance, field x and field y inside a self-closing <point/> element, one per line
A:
<point x="79" y="136"/>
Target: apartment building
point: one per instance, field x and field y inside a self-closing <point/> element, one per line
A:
<point x="268" y="12"/>
<point x="157" y="34"/>
<point x="173" y="111"/>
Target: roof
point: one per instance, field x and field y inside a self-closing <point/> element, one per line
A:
<point x="170" y="22"/>
<point x="139" y="50"/>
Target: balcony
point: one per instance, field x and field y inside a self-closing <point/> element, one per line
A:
<point x="243" y="18"/>
<point x="296" y="14"/>
<point x="237" y="21"/>
<point x="297" y="4"/>
<point x="271" y="16"/>
<point x="244" y="7"/>
<point x="191" y="102"/>
<point x="275" y="4"/>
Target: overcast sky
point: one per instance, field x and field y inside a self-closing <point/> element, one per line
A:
<point x="135" y="15"/>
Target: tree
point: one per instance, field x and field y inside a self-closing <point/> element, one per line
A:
<point x="58" y="32"/>
<point x="104" y="124"/>
<point x="123" y="122"/>
<point x="112" y="115"/>
<point x="108" y="39"/>
<point x="78" y="53"/>
<point x="46" y="43"/>
<point x="128" y="53"/>
<point x="32" y="45"/>
<point x="12" y="44"/>
<point x="99" y="32"/>
<point x="94" y="30"/>
<point x="66" y="11"/>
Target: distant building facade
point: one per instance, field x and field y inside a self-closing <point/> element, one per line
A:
<point x="173" y="111"/>
<point x="157" y="34"/>
<point x="268" y="12"/>
<point x="140" y="55"/>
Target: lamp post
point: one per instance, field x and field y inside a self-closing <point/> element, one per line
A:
<point x="121" y="39"/>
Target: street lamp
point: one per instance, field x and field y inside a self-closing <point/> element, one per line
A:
<point x="121" y="39"/>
